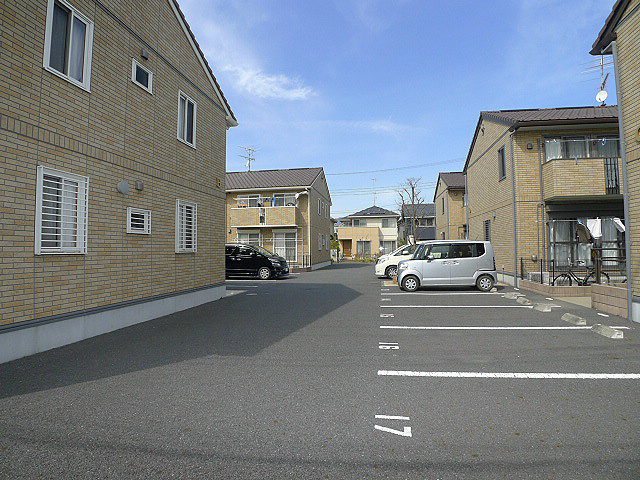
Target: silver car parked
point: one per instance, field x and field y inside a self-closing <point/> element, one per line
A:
<point x="449" y="262"/>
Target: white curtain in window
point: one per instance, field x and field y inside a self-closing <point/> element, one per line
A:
<point x="552" y="148"/>
<point x="76" y="66"/>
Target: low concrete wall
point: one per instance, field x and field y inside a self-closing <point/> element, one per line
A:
<point x="610" y="299"/>
<point x="555" y="291"/>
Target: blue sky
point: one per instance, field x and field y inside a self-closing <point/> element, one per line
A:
<point x="361" y="85"/>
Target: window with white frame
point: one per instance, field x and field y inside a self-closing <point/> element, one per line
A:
<point x="141" y="76"/>
<point x="250" y="238"/>
<point x="187" y="111"/>
<point x="319" y="206"/>
<point x="68" y="43"/>
<point x="285" y="245"/>
<point x="502" y="164"/>
<point x="61" y="212"/>
<point x="186" y="227"/>
<point x="138" y="220"/>
<point x="283" y="199"/>
<point x="319" y="241"/>
<point x="245" y="201"/>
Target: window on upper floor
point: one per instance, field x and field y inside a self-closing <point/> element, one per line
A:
<point x="502" y="164"/>
<point x="141" y="76"/>
<point x="581" y="146"/>
<point x="442" y="200"/>
<point x="283" y="199"/>
<point x="359" y="222"/>
<point x="430" y="222"/>
<point x="186" y="227"/>
<point x="387" y="223"/>
<point x="68" y="43"/>
<point x="245" y="201"/>
<point x="61" y="212"/>
<point x="187" y="112"/>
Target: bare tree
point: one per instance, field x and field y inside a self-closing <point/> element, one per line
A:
<point x="410" y="203"/>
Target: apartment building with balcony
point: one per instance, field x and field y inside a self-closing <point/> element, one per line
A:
<point x="531" y="175"/>
<point x="417" y="220"/>
<point x="368" y="233"/>
<point x="112" y="146"/>
<point x="619" y="37"/>
<point x="449" y="200"/>
<point x="286" y="211"/>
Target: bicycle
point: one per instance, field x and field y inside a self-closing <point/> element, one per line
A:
<point x="566" y="279"/>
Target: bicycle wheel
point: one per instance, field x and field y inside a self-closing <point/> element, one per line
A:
<point x="562" y="280"/>
<point x="591" y="278"/>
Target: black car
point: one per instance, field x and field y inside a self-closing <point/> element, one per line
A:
<point x="242" y="259"/>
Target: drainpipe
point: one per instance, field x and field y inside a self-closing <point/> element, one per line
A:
<point x="625" y="180"/>
<point x="515" y="213"/>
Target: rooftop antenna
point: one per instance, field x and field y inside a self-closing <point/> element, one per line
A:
<point x="374" y="190"/>
<point x="249" y="156"/>
<point x="602" y="94"/>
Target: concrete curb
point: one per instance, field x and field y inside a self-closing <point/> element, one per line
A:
<point x="523" y="301"/>
<point x="607" y="331"/>
<point x="542" y="307"/>
<point x="571" y="318"/>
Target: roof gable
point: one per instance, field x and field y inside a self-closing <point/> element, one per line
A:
<point x="231" y="119"/>
<point x="541" y="117"/>
<point x="374" y="211"/>
<point x="420" y="209"/>
<point x="293" y="177"/>
<point x="608" y="32"/>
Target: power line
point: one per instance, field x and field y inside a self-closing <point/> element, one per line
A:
<point x="398" y="168"/>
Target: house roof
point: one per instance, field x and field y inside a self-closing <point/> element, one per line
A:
<point x="292" y="177"/>
<point x="420" y="209"/>
<point x="374" y="211"/>
<point x="608" y="33"/>
<point x="540" y="117"/>
<point x="231" y="118"/>
<point x="452" y="180"/>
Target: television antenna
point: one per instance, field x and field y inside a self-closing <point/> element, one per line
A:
<point x="602" y="94"/>
<point x="249" y="156"/>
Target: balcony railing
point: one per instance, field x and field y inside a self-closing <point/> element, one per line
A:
<point x="578" y="177"/>
<point x="263" y="216"/>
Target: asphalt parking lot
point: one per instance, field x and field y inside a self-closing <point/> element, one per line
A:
<point x="333" y="374"/>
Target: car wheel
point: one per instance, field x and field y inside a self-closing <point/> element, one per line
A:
<point x="391" y="271"/>
<point x="410" y="283"/>
<point x="484" y="283"/>
<point x="264" y="273"/>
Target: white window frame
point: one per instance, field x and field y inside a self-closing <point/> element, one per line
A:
<point x="187" y="98"/>
<point x="319" y="242"/>
<point x="88" y="45"/>
<point x="81" y="214"/>
<point x="319" y="206"/>
<point x="180" y="237"/>
<point x="146" y="229"/>
<point x="134" y="64"/>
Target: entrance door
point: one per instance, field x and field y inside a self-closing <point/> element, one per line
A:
<point x="346" y="248"/>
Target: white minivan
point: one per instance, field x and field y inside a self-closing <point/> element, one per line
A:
<point x="387" y="265"/>
<point x="449" y="262"/>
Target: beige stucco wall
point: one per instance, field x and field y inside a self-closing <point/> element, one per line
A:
<point x="360" y="233"/>
<point x="115" y="132"/>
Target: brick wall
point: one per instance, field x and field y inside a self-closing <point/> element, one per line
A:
<point x="628" y="63"/>
<point x="115" y="132"/>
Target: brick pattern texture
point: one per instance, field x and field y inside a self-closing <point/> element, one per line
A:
<point x="115" y="132"/>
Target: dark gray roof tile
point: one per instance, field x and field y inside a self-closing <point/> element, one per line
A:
<point x="293" y="177"/>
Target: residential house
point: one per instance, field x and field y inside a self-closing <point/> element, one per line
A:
<point x="532" y="174"/>
<point x="112" y="145"/>
<point x="449" y="199"/>
<point x="619" y="37"/>
<point x="369" y="232"/>
<point x="285" y="211"/>
<point x="423" y="216"/>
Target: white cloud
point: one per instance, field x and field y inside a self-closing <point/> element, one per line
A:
<point x="256" y="82"/>
<point x="233" y="57"/>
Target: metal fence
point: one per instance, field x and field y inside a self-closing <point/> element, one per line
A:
<point x="605" y="265"/>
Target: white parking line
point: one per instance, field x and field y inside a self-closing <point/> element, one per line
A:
<point x="603" y="314"/>
<point x="443" y="293"/>
<point x="456" y="306"/>
<point x="581" y="376"/>
<point x="402" y="327"/>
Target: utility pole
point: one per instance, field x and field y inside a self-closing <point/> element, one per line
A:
<point x="374" y="190"/>
<point x="249" y="156"/>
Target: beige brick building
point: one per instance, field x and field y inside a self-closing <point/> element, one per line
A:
<point x="620" y="36"/>
<point x="368" y="233"/>
<point x="531" y="174"/>
<point x="285" y="211"/>
<point x="112" y="159"/>
<point x="449" y="199"/>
